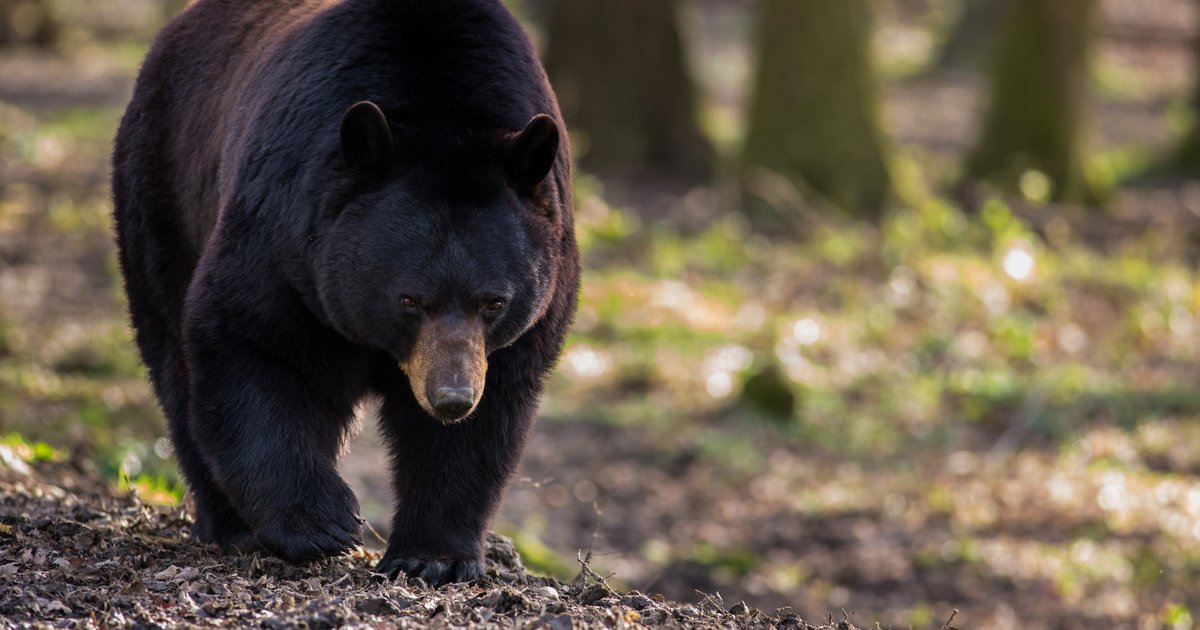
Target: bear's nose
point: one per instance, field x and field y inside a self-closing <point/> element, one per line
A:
<point x="452" y="403"/>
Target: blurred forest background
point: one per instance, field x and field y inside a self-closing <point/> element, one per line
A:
<point x="889" y="305"/>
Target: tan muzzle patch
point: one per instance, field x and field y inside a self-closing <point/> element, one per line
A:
<point x="447" y="366"/>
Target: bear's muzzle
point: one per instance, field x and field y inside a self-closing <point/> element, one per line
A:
<point x="447" y="366"/>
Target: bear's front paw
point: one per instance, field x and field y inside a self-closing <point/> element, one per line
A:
<point x="313" y="529"/>
<point x="434" y="571"/>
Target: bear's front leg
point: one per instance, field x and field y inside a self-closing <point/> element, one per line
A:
<point x="449" y="479"/>
<point x="270" y="408"/>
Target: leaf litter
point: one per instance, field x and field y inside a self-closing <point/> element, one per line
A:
<point x="74" y="553"/>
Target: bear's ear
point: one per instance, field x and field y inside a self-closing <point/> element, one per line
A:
<point x="531" y="153"/>
<point x="366" y="139"/>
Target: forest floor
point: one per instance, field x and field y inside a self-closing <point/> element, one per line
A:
<point x="75" y="554"/>
<point x="991" y="409"/>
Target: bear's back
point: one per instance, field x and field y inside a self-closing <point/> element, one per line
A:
<point x="243" y="98"/>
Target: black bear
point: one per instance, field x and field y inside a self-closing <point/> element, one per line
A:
<point x="321" y="201"/>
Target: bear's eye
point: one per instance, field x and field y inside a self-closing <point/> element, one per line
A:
<point x="408" y="302"/>
<point x="495" y="306"/>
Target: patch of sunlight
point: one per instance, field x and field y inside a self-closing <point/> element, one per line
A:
<point x="720" y="365"/>
<point x="1071" y="338"/>
<point x="1019" y="264"/>
<point x="1181" y="323"/>
<point x="806" y="331"/>
<point x="684" y="305"/>
<point x="586" y="362"/>
<point x="799" y="369"/>
<point x="1036" y="186"/>
<point x="970" y="344"/>
<point x="751" y="316"/>
<point x="995" y="298"/>
<point x="902" y="283"/>
<point x="1114" y="495"/>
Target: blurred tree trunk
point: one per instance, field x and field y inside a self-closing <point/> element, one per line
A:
<point x="27" y="23"/>
<point x="814" y="116"/>
<point x="619" y="69"/>
<point x="972" y="37"/>
<point x="1039" y="98"/>
<point x="1186" y="159"/>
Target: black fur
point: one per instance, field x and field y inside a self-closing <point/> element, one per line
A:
<point x="268" y="228"/>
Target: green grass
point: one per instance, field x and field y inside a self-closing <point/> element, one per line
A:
<point x="159" y="489"/>
<point x="935" y="326"/>
<point x="30" y="451"/>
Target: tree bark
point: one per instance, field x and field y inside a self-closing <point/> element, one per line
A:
<point x="619" y="69"/>
<point x="972" y="37"/>
<point x="814" y="116"/>
<point x="1039" y="98"/>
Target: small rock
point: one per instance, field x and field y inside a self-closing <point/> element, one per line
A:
<point x="378" y="606"/>
<point x="547" y="591"/>
<point x="167" y="573"/>
<point x="13" y="462"/>
<point x="501" y="551"/>
<point x="740" y="608"/>
<point x="636" y="601"/>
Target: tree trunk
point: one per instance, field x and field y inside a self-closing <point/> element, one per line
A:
<point x="619" y="70"/>
<point x="972" y="37"/>
<point x="1039" y="98"/>
<point x="814" y="116"/>
<point x="1186" y="159"/>
<point x="27" y="23"/>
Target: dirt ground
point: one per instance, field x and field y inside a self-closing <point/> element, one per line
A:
<point x="75" y="555"/>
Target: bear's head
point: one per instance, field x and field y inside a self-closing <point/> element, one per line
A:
<point x="442" y="247"/>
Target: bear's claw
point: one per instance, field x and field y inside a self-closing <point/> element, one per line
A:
<point x="304" y="533"/>
<point x="434" y="571"/>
